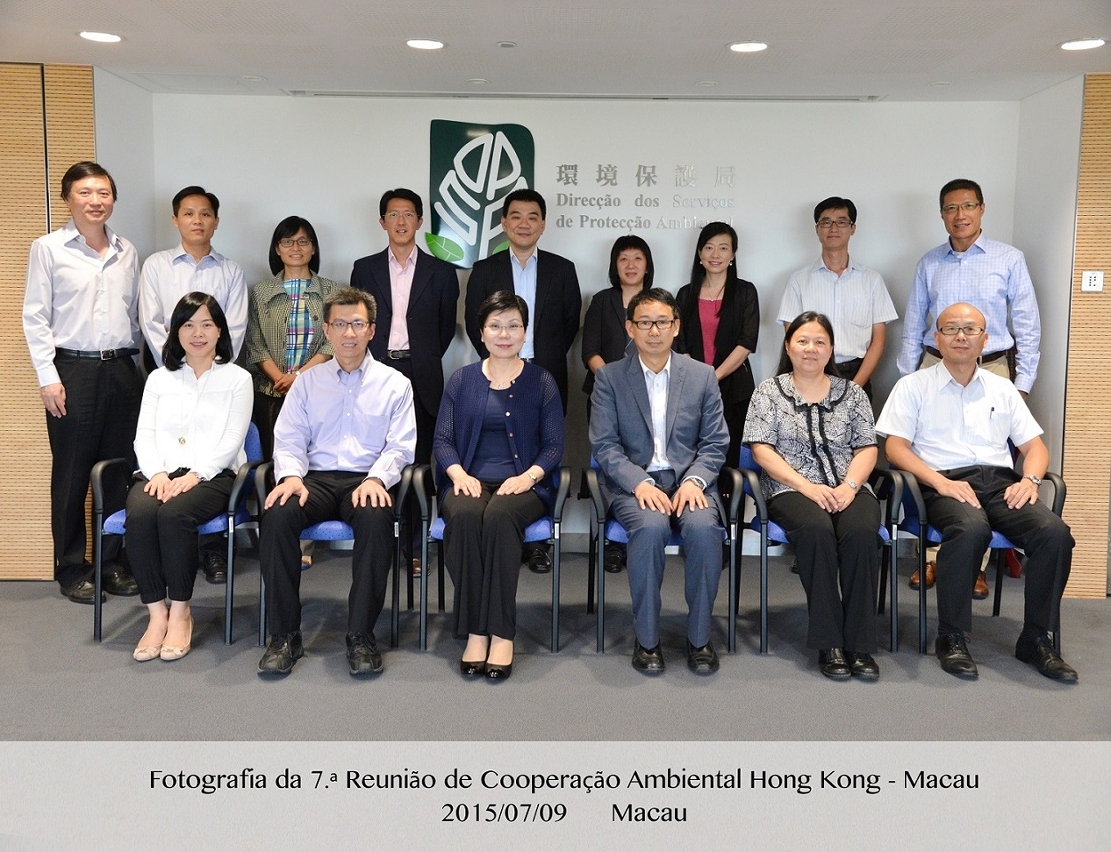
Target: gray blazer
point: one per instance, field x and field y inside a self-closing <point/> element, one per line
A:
<point x="621" y="425"/>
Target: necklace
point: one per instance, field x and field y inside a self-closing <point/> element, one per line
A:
<point x="502" y="384"/>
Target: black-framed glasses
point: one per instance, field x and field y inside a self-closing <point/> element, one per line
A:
<point x="966" y="330"/>
<point x="340" y="326"/>
<point x="826" y="224"/>
<point x="647" y="324"/>
<point x="300" y="242"/>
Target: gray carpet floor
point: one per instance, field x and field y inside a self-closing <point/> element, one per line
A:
<point x="57" y="684"/>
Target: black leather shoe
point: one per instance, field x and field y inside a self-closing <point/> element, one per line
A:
<point x="953" y="653"/>
<point x="362" y="655"/>
<point x="497" y="672"/>
<point x="116" y="581"/>
<point x="282" y="652"/>
<point x="833" y="665"/>
<point x="648" y="660"/>
<point x="1040" y="655"/>
<point x="539" y="562"/>
<point x="82" y="592"/>
<point x="863" y="666"/>
<point x="702" y="661"/>
<point x="472" y="669"/>
<point x="215" y="567"/>
<point x="614" y="559"/>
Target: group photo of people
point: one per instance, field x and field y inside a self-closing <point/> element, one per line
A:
<point x="170" y="362"/>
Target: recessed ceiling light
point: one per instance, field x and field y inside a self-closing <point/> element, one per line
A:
<point x="253" y="78"/>
<point x="748" y="46"/>
<point x="706" y="84"/>
<point x="425" y="43"/>
<point x="478" y="81"/>
<point x="1083" y="44"/>
<point x="107" y="38"/>
<point x="940" y="84"/>
<point x="507" y="44"/>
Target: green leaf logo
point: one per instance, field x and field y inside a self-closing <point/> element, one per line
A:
<point x="444" y="248"/>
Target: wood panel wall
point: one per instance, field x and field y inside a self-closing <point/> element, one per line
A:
<point x="1087" y="443"/>
<point x="46" y="125"/>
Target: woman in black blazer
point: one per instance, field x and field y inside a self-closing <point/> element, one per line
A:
<point x="720" y="325"/>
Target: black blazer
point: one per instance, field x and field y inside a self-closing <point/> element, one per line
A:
<point x="604" y="332"/>
<point x="555" y="320"/>
<point x="739" y="326"/>
<point x="430" y="316"/>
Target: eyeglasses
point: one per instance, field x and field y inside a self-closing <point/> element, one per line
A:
<point x="394" y="215"/>
<point x="341" y="326"/>
<point x="498" y="328"/>
<point x="967" y="207"/>
<point x="826" y="224"/>
<point x="646" y="324"/>
<point x="300" y="242"/>
<point x="966" y="330"/>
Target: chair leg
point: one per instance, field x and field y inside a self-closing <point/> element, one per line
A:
<point x="922" y="596"/>
<point x="261" y="608"/>
<point x="764" y="588"/>
<point x="893" y="563"/>
<point x="592" y="549"/>
<point x="98" y="567"/>
<point x="1000" y="557"/>
<point x="734" y="583"/>
<point x="229" y="589"/>
<point x="395" y="615"/>
<point x="556" y="553"/>
<point x="600" y="587"/>
<point x="424" y="586"/>
<point x="440" y="569"/>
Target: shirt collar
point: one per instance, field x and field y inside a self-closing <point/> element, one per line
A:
<point x="820" y="266"/>
<point x="977" y="245"/>
<point x="359" y="372"/>
<point x="651" y="374"/>
<point x="71" y="233"/>
<point x="410" y="261"/>
<point x="943" y="377"/>
<point x="182" y="254"/>
<point x="530" y="262"/>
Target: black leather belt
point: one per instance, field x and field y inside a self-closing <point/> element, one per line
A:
<point x="96" y="355"/>
<point x="399" y="354"/>
<point x="984" y="359"/>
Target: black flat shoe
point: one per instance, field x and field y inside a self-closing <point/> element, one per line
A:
<point x="82" y="592"/>
<point x="863" y="666"/>
<point x="363" y="657"/>
<point x="650" y="661"/>
<point x="953" y="654"/>
<point x="1040" y="655"/>
<point x="470" y="669"/>
<point x="833" y="665"/>
<point x="702" y="661"/>
<point x="539" y="562"/>
<point x="215" y="567"/>
<point x="496" y="672"/>
<point x="118" y="582"/>
<point x="281" y="653"/>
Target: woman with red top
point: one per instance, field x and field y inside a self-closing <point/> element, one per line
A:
<point x="720" y="324"/>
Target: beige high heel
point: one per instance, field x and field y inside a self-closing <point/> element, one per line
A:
<point x="170" y="653"/>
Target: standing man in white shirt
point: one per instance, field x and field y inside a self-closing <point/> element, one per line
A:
<point x="79" y="317"/>
<point x="854" y="297"/>
<point x="194" y="266"/>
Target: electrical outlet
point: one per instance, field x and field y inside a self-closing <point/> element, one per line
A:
<point x="1091" y="282"/>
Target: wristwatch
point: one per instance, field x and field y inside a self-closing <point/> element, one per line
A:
<point x="852" y="485"/>
<point x="1035" y="479"/>
<point x="532" y="476"/>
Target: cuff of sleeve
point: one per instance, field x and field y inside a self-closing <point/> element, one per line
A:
<point x="48" y="376"/>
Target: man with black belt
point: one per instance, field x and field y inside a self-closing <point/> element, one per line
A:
<point x="949" y="425"/>
<point x="80" y="320"/>
<point x="550" y="287"/>
<point x="417" y="295"/>
<point x="990" y="275"/>
<point x="854" y="297"/>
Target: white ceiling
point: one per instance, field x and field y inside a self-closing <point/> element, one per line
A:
<point x="908" y="50"/>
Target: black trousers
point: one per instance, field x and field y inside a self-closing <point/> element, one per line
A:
<point x="838" y="556"/>
<point x="162" y="537"/>
<point x="482" y="544"/>
<point x="280" y="550"/>
<point x="102" y="408"/>
<point x="426" y="428"/>
<point x="965" y="534"/>
<point x="264" y="414"/>
<point x="849" y="369"/>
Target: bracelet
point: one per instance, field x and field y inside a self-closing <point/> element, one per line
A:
<point x="532" y="476"/>
<point x="199" y="477"/>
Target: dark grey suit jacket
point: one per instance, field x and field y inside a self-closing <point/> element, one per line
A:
<point x="621" y="425"/>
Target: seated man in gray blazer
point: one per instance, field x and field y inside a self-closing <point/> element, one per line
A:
<point x="658" y="434"/>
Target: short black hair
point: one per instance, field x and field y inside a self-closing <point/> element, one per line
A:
<point x="525" y="195"/>
<point x="351" y="296"/>
<point x="405" y="195"/>
<point x="835" y="202"/>
<point x="626" y="243"/>
<point x="85" y="169"/>
<point x="502" y="300"/>
<point x="287" y="228"/>
<point x="652" y="294"/>
<point x="785" y="365"/>
<point x="173" y="353"/>
<point x="959" y="183"/>
<point x="196" y="190"/>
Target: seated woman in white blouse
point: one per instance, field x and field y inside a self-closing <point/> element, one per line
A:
<point x="189" y="440"/>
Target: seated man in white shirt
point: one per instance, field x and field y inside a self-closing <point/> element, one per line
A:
<point x="949" y="425"/>
<point x="345" y="432"/>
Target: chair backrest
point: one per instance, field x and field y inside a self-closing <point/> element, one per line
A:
<point x="252" y="444"/>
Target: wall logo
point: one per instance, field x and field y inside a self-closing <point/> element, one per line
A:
<point x="472" y="167"/>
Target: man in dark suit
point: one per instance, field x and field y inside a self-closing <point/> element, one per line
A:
<point x="550" y="288"/>
<point x="658" y="433"/>
<point x="417" y="296"/>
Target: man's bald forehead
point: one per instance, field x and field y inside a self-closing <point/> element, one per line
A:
<point x="960" y="308"/>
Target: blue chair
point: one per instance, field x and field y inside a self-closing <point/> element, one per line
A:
<point x="226" y="523"/>
<point x="604" y="529"/>
<point x="337" y="530"/>
<point x="887" y="485"/>
<point x="916" y="522"/>
<point x="547" y="530"/>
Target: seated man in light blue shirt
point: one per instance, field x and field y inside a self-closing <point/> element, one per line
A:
<point x="345" y="432"/>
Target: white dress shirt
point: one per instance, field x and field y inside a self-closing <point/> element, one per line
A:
<point x="951" y="426"/>
<point x="199" y="424"/>
<point x="76" y="299"/>
<point x="362" y="421"/>
<point x="169" y="275"/>
<point x="657" y="384"/>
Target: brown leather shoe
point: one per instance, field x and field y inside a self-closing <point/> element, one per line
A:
<point x="931" y="576"/>
<point x="980" y="590"/>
